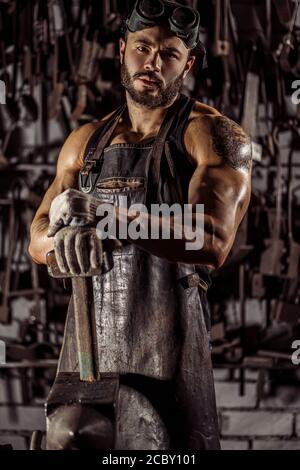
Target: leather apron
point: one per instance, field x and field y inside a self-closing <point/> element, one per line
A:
<point x="152" y="317"/>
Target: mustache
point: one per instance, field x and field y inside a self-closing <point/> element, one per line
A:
<point x="150" y="75"/>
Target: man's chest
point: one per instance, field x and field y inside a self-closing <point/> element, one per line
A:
<point x="123" y="135"/>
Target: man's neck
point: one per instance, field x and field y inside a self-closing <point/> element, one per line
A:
<point x="145" y="121"/>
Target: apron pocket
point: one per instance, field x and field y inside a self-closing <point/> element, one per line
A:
<point x="120" y="185"/>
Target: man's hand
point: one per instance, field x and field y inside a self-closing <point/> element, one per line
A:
<point x="78" y="250"/>
<point x="72" y="208"/>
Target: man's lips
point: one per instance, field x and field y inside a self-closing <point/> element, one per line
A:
<point x="148" y="81"/>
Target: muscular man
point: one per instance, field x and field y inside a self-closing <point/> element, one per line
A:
<point x="151" y="313"/>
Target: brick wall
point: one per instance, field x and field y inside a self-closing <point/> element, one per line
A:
<point x="18" y="421"/>
<point x="261" y="419"/>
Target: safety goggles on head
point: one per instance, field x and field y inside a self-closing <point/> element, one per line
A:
<point x="184" y="21"/>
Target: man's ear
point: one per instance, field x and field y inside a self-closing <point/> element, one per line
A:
<point x="122" y="45"/>
<point x="189" y="65"/>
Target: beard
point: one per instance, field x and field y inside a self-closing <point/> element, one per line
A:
<point x="164" y="95"/>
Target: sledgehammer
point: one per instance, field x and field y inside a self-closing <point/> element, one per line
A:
<point x="83" y="311"/>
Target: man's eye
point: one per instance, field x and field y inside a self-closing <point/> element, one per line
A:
<point x="170" y="55"/>
<point x="142" y="49"/>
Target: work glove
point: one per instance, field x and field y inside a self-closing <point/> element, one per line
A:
<point x="72" y="208"/>
<point x="78" y="250"/>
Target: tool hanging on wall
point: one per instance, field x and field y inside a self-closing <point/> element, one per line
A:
<point x="271" y="259"/>
<point x="89" y="52"/>
<point x="293" y="246"/>
<point x="221" y="49"/>
<point x="281" y="257"/>
<point x="58" y="76"/>
<point x="285" y="53"/>
<point x="7" y="260"/>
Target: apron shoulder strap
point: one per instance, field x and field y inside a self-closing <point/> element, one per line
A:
<point x="95" y="147"/>
<point x="158" y="149"/>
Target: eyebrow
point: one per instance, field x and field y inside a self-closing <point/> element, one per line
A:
<point x="148" y="42"/>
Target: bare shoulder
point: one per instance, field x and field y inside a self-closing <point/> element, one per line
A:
<point x="72" y="151"/>
<point x="212" y="137"/>
<point x="202" y="109"/>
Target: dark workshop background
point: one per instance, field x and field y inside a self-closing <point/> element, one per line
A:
<point x="60" y="66"/>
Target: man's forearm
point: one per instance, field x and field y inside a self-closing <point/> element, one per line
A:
<point x="175" y="251"/>
<point x="40" y="244"/>
<point x="176" y="239"/>
<point x="183" y="250"/>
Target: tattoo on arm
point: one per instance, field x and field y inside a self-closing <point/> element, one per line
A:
<point x="231" y="143"/>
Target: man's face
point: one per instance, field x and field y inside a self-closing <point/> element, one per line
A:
<point x="154" y="65"/>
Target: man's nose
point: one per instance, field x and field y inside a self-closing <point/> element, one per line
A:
<point x="153" y="63"/>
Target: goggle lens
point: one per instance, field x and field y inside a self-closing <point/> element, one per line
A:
<point x="151" y="9"/>
<point x="183" y="18"/>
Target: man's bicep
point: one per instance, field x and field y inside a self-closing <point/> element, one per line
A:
<point x="59" y="185"/>
<point x="69" y="164"/>
<point x="222" y="155"/>
<point x="67" y="170"/>
<point x="225" y="194"/>
<point x="214" y="140"/>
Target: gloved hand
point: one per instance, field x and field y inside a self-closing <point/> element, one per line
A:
<point x="78" y="250"/>
<point x="72" y="208"/>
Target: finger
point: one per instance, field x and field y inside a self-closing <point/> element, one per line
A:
<point x="75" y="209"/>
<point x="96" y="252"/>
<point x="76" y="222"/>
<point x="66" y="218"/>
<point x="82" y="251"/>
<point x="70" y="252"/>
<point x="54" y="228"/>
<point x="59" y="248"/>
